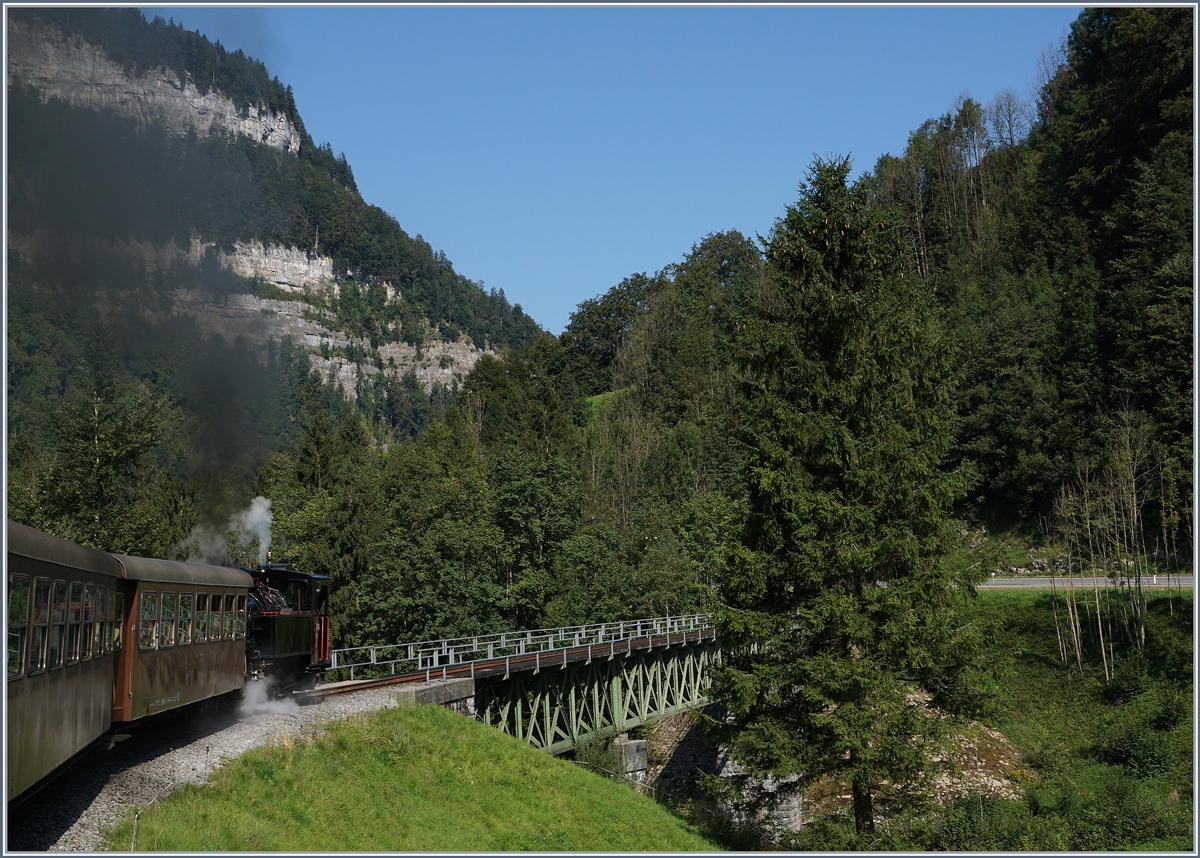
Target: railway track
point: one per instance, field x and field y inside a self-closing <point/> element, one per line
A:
<point x="504" y="665"/>
<point x="186" y="748"/>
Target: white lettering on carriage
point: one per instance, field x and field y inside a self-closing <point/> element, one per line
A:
<point x="163" y="701"/>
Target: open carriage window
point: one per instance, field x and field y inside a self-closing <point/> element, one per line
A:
<point x="185" y="619"/>
<point x="201" y="617"/>
<point x="214" y="618"/>
<point x="166" y="625"/>
<point x="74" y="619"/>
<point x="18" y="617"/>
<point x="39" y="631"/>
<point x="230" y="614"/>
<point x="58" y="625"/>
<point x="147" y="620"/>
<point x="98" y="634"/>
<point x="116" y="618"/>
<point x="88" y="610"/>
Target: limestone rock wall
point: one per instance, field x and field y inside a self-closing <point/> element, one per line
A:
<point x="258" y="320"/>
<point x="288" y="268"/>
<point x="83" y="76"/>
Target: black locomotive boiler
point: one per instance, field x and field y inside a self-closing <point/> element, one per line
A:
<point x="288" y="643"/>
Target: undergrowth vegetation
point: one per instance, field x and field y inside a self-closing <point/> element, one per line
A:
<point x="1106" y="766"/>
<point x="1112" y="762"/>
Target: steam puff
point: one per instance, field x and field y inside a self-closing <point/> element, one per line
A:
<point x="212" y="544"/>
<point x="257" y="521"/>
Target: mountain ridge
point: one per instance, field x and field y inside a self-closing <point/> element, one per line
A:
<point x="64" y="68"/>
<point x="82" y="75"/>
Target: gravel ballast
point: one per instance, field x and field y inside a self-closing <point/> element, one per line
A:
<point x="70" y="813"/>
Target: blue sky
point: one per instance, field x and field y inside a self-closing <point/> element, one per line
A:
<point x="550" y="152"/>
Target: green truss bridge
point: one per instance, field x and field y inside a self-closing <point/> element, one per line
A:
<point x="555" y="687"/>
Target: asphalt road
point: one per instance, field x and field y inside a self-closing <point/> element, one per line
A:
<point x="1031" y="583"/>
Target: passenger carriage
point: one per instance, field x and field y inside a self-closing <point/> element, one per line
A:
<point x="96" y="639"/>
<point x="65" y="610"/>
<point x="186" y="628"/>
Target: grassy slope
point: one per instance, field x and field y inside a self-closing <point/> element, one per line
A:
<point x="410" y="779"/>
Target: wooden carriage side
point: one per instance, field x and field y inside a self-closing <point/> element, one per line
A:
<point x="185" y="627"/>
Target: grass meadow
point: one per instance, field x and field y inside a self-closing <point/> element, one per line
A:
<point x="413" y="779"/>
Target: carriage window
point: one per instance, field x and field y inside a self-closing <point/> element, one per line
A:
<point x="239" y="629"/>
<point x="185" y="618"/>
<point x="147" y="620"/>
<point x="166" y="628"/>
<point x="117" y="617"/>
<point x="39" y="634"/>
<point x="74" y="617"/>
<point x="58" y="624"/>
<point x="101" y="616"/>
<point x="214" y="618"/>
<point x="18" y="616"/>
<point x="230" y="610"/>
<point x="89" y="593"/>
<point x="201" y="617"/>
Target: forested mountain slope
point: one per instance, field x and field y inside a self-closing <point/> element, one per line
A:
<point x="164" y="193"/>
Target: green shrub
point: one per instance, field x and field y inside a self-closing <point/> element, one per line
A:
<point x="600" y="755"/>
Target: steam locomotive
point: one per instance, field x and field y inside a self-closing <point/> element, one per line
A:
<point x="97" y="640"/>
<point x="285" y="647"/>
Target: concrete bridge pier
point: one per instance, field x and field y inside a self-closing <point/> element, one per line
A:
<point x="632" y="753"/>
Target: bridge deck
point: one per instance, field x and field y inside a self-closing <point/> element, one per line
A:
<point x="529" y="662"/>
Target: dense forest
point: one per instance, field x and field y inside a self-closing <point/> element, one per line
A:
<point x="988" y="330"/>
<point x="1054" y="240"/>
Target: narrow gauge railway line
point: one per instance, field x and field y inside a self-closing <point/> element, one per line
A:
<point x="185" y="747"/>
<point x="504" y="665"/>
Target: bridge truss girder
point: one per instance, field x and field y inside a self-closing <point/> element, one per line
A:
<point x="558" y="706"/>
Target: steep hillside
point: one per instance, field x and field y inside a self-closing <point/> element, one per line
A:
<point x="164" y="193"/>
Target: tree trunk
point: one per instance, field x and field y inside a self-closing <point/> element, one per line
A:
<point x="864" y="809"/>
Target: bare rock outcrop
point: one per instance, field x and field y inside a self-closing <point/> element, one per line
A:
<point x="83" y="76"/>
<point x="290" y="269"/>
<point x="258" y="320"/>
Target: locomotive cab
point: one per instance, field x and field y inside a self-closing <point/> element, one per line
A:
<point x="289" y="636"/>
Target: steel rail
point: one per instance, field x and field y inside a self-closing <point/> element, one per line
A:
<point x="413" y="657"/>
<point x="525" y="662"/>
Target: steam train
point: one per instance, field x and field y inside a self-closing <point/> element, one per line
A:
<point x="99" y="640"/>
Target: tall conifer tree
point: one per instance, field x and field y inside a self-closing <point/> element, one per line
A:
<point x="846" y="414"/>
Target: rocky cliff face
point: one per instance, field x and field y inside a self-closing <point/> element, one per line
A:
<point x="81" y="75"/>
<point x="289" y="268"/>
<point x="258" y="320"/>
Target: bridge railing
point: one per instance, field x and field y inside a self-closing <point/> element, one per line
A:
<point x="423" y="655"/>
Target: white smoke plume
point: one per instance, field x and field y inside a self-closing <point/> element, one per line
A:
<point x="257" y="700"/>
<point x="216" y="544"/>
<point x="257" y="521"/>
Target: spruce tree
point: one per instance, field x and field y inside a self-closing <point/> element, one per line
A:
<point x="836" y="602"/>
